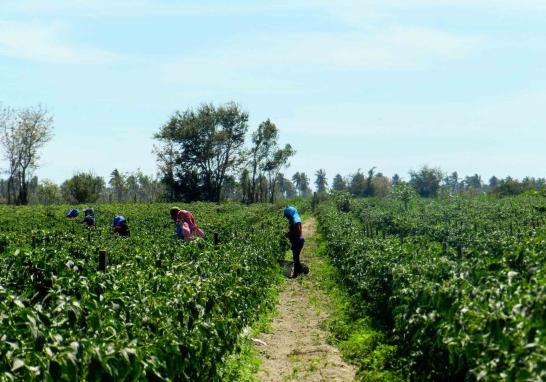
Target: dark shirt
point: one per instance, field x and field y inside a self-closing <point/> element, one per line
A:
<point x="295" y="232"/>
<point x="123" y="230"/>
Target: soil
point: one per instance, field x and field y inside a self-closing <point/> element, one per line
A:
<point x="296" y="346"/>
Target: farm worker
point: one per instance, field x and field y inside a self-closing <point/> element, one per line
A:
<point x="120" y="226"/>
<point x="185" y="224"/>
<point x="295" y="235"/>
<point x="73" y="213"/>
<point x="89" y="218"/>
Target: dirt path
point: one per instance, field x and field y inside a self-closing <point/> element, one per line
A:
<point x="296" y="348"/>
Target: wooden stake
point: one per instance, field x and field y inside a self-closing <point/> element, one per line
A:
<point x="103" y="260"/>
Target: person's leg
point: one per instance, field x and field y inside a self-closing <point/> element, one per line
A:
<point x="296" y="251"/>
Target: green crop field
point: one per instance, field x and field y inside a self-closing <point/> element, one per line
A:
<point x="163" y="310"/>
<point x="457" y="285"/>
<point x="454" y="288"/>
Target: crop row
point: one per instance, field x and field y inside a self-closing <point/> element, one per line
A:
<point x="458" y="302"/>
<point x="163" y="310"/>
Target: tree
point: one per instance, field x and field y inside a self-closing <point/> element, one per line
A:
<point x="396" y="179"/>
<point x="22" y="133"/>
<point x="321" y="182"/>
<point x="264" y="142"/>
<point x="426" y="181"/>
<point x="301" y="182"/>
<point x="473" y="182"/>
<point x="10" y="146"/>
<point x="83" y="188"/>
<point x="381" y="185"/>
<point x="287" y="188"/>
<point x="117" y="182"/>
<point x="266" y="158"/>
<point x="34" y="131"/>
<point x="246" y="188"/>
<point x="493" y="181"/>
<point x="357" y="185"/>
<point x="206" y="146"/>
<point x="452" y="182"/>
<point x="369" y="190"/>
<point x="339" y="184"/>
<point x="47" y="193"/>
<point x="274" y="166"/>
<point x="166" y="161"/>
<point x="151" y="189"/>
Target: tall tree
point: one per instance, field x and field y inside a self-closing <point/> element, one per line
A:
<point x="301" y="182"/>
<point x="10" y="147"/>
<point x="287" y="187"/>
<point x="305" y="190"/>
<point x="321" y="181"/>
<point x="473" y="182"/>
<point x="208" y="143"/>
<point x="381" y="185"/>
<point x="34" y="130"/>
<point x="166" y="160"/>
<point x="22" y="133"/>
<point x="274" y="166"/>
<point x="357" y="184"/>
<point x="118" y="184"/>
<point x="369" y="190"/>
<point x="426" y="181"/>
<point x="264" y="142"/>
<point x="339" y="184"/>
<point x="265" y="157"/>
<point x="48" y="193"/>
<point x="245" y="184"/>
<point x="452" y="182"/>
<point x="493" y="181"/>
<point x="82" y="188"/>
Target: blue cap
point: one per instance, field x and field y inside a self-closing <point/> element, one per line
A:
<point x="74" y="212"/>
<point x="291" y="213"/>
<point x="119" y="220"/>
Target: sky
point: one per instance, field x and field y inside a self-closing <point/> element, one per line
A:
<point x="395" y="84"/>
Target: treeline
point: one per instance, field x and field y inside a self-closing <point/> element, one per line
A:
<point x="432" y="182"/>
<point x="85" y="187"/>
<point x="139" y="187"/>
<point x="208" y="154"/>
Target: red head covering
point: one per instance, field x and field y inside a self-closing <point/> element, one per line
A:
<point x="187" y="217"/>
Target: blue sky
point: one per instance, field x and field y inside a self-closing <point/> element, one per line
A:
<point x="351" y="84"/>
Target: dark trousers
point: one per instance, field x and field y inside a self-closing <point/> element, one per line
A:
<point x="297" y="246"/>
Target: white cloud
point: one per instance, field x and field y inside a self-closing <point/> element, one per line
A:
<point x="139" y="8"/>
<point x="276" y="56"/>
<point x="44" y="43"/>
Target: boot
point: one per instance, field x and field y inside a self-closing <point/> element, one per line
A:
<point x="296" y="270"/>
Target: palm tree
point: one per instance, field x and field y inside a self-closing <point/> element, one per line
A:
<point x="321" y="181"/>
